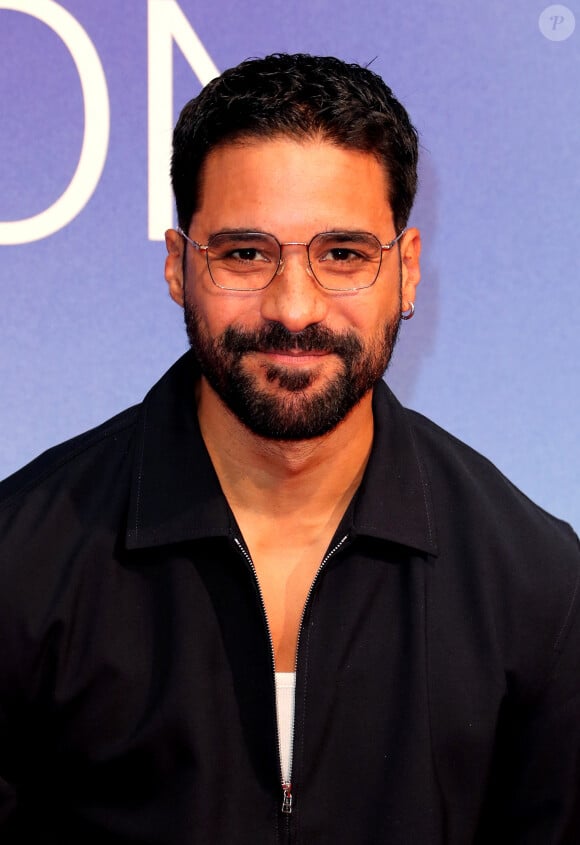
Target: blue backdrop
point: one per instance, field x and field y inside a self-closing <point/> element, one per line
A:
<point x="88" y="94"/>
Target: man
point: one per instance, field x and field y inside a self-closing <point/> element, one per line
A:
<point x="270" y="605"/>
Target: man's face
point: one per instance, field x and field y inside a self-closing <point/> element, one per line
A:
<point x="292" y="360"/>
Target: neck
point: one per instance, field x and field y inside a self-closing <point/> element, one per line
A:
<point x="312" y="477"/>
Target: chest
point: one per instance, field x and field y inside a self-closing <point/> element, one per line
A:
<point x="170" y="673"/>
<point x="286" y="570"/>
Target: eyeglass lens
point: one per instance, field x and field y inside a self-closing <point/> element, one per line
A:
<point x="338" y="260"/>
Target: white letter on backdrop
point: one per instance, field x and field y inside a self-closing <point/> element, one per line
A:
<point x="167" y="24"/>
<point x="96" y="130"/>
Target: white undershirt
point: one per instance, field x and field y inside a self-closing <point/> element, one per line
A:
<point x="285" y="686"/>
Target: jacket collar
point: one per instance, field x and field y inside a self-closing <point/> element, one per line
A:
<point x="394" y="499"/>
<point x="176" y="495"/>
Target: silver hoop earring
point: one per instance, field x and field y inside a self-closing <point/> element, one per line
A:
<point x="406" y="315"/>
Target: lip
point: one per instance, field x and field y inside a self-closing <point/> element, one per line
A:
<point x="295" y="355"/>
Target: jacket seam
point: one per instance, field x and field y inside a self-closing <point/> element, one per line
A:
<point x="140" y="475"/>
<point x="430" y="710"/>
<point x="558" y="642"/>
<point x="425" y="489"/>
<point x="558" y="646"/>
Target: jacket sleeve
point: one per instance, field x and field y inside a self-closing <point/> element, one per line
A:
<point x="534" y="796"/>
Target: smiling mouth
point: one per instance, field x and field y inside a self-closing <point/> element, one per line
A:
<point x="297" y="355"/>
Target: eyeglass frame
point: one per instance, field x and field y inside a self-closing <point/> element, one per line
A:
<point x="205" y="247"/>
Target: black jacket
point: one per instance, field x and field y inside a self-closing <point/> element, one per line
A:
<point x="438" y="673"/>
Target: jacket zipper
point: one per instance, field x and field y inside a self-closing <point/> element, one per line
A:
<point x="287" y="799"/>
<point x="287" y="802"/>
<point x="287" y="796"/>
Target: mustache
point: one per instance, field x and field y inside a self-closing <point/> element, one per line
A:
<point x="274" y="337"/>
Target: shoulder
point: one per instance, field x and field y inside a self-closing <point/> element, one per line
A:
<point x="501" y="555"/>
<point x="468" y="485"/>
<point x="94" y="450"/>
<point x="90" y="478"/>
<point x="61" y="520"/>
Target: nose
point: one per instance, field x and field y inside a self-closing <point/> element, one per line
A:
<point x="294" y="297"/>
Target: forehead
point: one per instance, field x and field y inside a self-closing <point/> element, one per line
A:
<point x="284" y="185"/>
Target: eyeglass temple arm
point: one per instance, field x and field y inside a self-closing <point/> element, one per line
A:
<point x="391" y="244"/>
<point x="195" y="245"/>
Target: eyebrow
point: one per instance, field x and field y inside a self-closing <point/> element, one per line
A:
<point x="245" y="232"/>
<point x="349" y="235"/>
<point x="346" y="234"/>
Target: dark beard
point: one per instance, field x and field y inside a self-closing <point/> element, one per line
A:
<point x="289" y="414"/>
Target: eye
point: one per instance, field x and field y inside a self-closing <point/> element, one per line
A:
<point x="246" y="254"/>
<point x="341" y="254"/>
<point x="343" y="251"/>
<point x="245" y="251"/>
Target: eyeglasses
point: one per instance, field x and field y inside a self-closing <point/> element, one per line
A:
<point x="249" y="261"/>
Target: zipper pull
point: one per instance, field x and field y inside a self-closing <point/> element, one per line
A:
<point x="287" y="799"/>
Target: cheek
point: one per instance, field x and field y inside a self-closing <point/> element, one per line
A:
<point x="218" y="310"/>
<point x="369" y="316"/>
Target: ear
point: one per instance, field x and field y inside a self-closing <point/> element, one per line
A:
<point x="410" y="267"/>
<point x="175" y="244"/>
